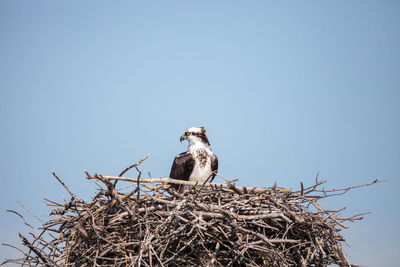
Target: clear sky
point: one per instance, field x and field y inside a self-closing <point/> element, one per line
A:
<point x="284" y="89"/>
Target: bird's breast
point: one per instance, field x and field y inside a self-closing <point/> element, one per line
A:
<point x="202" y="157"/>
<point x="202" y="167"/>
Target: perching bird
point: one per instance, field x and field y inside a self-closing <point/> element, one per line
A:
<point x="198" y="163"/>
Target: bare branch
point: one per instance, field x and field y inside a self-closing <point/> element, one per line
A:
<point x="211" y="224"/>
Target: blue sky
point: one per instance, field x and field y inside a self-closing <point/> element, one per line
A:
<point x="284" y="89"/>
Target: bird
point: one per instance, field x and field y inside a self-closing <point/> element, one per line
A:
<point x="198" y="163"/>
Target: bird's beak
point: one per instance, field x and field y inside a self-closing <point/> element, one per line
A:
<point x="183" y="137"/>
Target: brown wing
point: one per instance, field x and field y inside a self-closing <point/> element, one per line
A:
<point x="214" y="165"/>
<point x="182" y="168"/>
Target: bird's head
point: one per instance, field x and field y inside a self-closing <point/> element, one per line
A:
<point x="195" y="135"/>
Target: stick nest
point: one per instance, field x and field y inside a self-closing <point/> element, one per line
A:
<point x="208" y="225"/>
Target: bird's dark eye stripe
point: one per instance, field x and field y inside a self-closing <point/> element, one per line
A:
<point x="202" y="136"/>
<point x="194" y="133"/>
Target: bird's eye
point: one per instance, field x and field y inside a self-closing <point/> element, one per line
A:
<point x="187" y="133"/>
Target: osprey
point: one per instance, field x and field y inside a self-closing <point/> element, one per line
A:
<point x="198" y="163"/>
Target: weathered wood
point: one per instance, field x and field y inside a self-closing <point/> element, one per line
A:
<point x="210" y="224"/>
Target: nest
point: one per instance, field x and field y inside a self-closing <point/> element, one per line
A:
<point x="149" y="224"/>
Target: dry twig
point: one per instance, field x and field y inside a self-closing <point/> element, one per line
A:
<point x="218" y="225"/>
